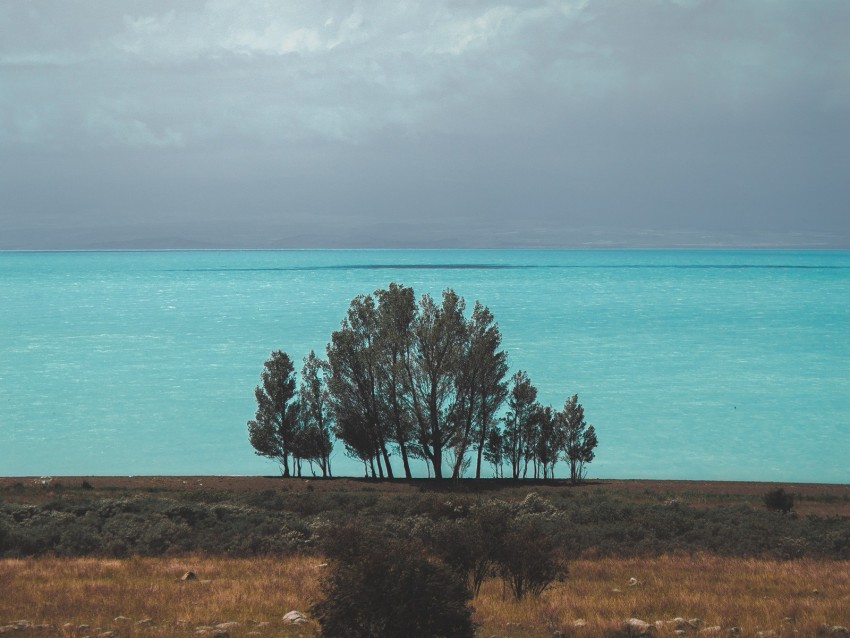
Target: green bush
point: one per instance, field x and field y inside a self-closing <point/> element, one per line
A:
<point x="381" y="587"/>
<point x="528" y="557"/>
<point x="518" y="541"/>
<point x="466" y="548"/>
<point x="778" y="500"/>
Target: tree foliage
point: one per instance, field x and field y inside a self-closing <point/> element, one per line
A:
<point x="424" y="380"/>
<point x="520" y="433"/>
<point x="354" y="357"/>
<point x="579" y="438"/>
<point x="293" y="426"/>
<point x="439" y="333"/>
<point x="420" y="377"/>
<point x="272" y="432"/>
<point x="316" y="417"/>
<point x="396" y="313"/>
<point x="481" y="385"/>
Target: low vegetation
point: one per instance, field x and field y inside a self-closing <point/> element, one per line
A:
<point x="500" y="558"/>
<point x="292" y="519"/>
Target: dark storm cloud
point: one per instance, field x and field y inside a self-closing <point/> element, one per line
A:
<point x="334" y="123"/>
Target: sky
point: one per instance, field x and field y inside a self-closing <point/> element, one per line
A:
<point x="465" y="123"/>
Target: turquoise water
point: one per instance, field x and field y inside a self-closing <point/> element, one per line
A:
<point x="691" y="364"/>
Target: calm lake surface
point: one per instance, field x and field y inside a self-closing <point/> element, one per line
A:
<point x="690" y="364"/>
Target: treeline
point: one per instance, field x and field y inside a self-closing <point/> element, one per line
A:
<point x="421" y="381"/>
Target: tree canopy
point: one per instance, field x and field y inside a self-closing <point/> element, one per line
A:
<point x="272" y="431"/>
<point x="420" y="380"/>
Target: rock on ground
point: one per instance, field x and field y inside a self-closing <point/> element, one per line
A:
<point x="294" y="618"/>
<point x="638" y="627"/>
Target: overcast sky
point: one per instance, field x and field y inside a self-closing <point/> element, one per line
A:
<point x="431" y="123"/>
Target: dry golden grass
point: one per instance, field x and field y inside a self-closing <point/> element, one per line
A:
<point x="752" y="594"/>
<point x="755" y="595"/>
<point x="93" y="592"/>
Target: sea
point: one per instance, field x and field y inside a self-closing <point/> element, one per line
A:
<point x="690" y="364"/>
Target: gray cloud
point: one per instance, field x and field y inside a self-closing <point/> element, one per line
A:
<point x="332" y="123"/>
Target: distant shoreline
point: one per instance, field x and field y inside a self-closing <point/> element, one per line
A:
<point x="250" y="482"/>
<point x="577" y="248"/>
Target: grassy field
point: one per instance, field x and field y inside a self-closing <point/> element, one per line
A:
<point x="625" y="565"/>
<point x="145" y="597"/>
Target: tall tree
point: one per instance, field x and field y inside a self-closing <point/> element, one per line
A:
<point x="431" y="370"/>
<point x="579" y="438"/>
<point x="316" y="413"/>
<point x="520" y="423"/>
<point x="492" y="364"/>
<point x="396" y="314"/>
<point x="480" y="386"/>
<point x="272" y="431"/>
<point x="354" y="360"/>
<point x="549" y="444"/>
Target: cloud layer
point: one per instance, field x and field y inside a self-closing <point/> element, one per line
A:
<point x="257" y="123"/>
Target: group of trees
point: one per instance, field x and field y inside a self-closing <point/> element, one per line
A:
<point x="422" y="380"/>
<point x="539" y="436"/>
<point x="289" y="423"/>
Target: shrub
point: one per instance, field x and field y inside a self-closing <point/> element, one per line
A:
<point x="381" y="587"/>
<point x="528" y="558"/>
<point x="779" y="500"/>
<point x="466" y="548"/>
<point x="517" y="541"/>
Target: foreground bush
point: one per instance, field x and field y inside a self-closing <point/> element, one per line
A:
<point x="779" y="500"/>
<point x="521" y="542"/>
<point x="529" y="560"/>
<point x="381" y="587"/>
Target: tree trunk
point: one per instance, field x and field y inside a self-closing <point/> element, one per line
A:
<point x="437" y="462"/>
<point x="436" y="457"/>
<point x="464" y="446"/>
<point x="403" y="449"/>
<point x="481" y="440"/>
<point x="378" y="462"/>
<point x="387" y="461"/>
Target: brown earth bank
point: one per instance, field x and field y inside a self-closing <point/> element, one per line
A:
<point x="820" y="499"/>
